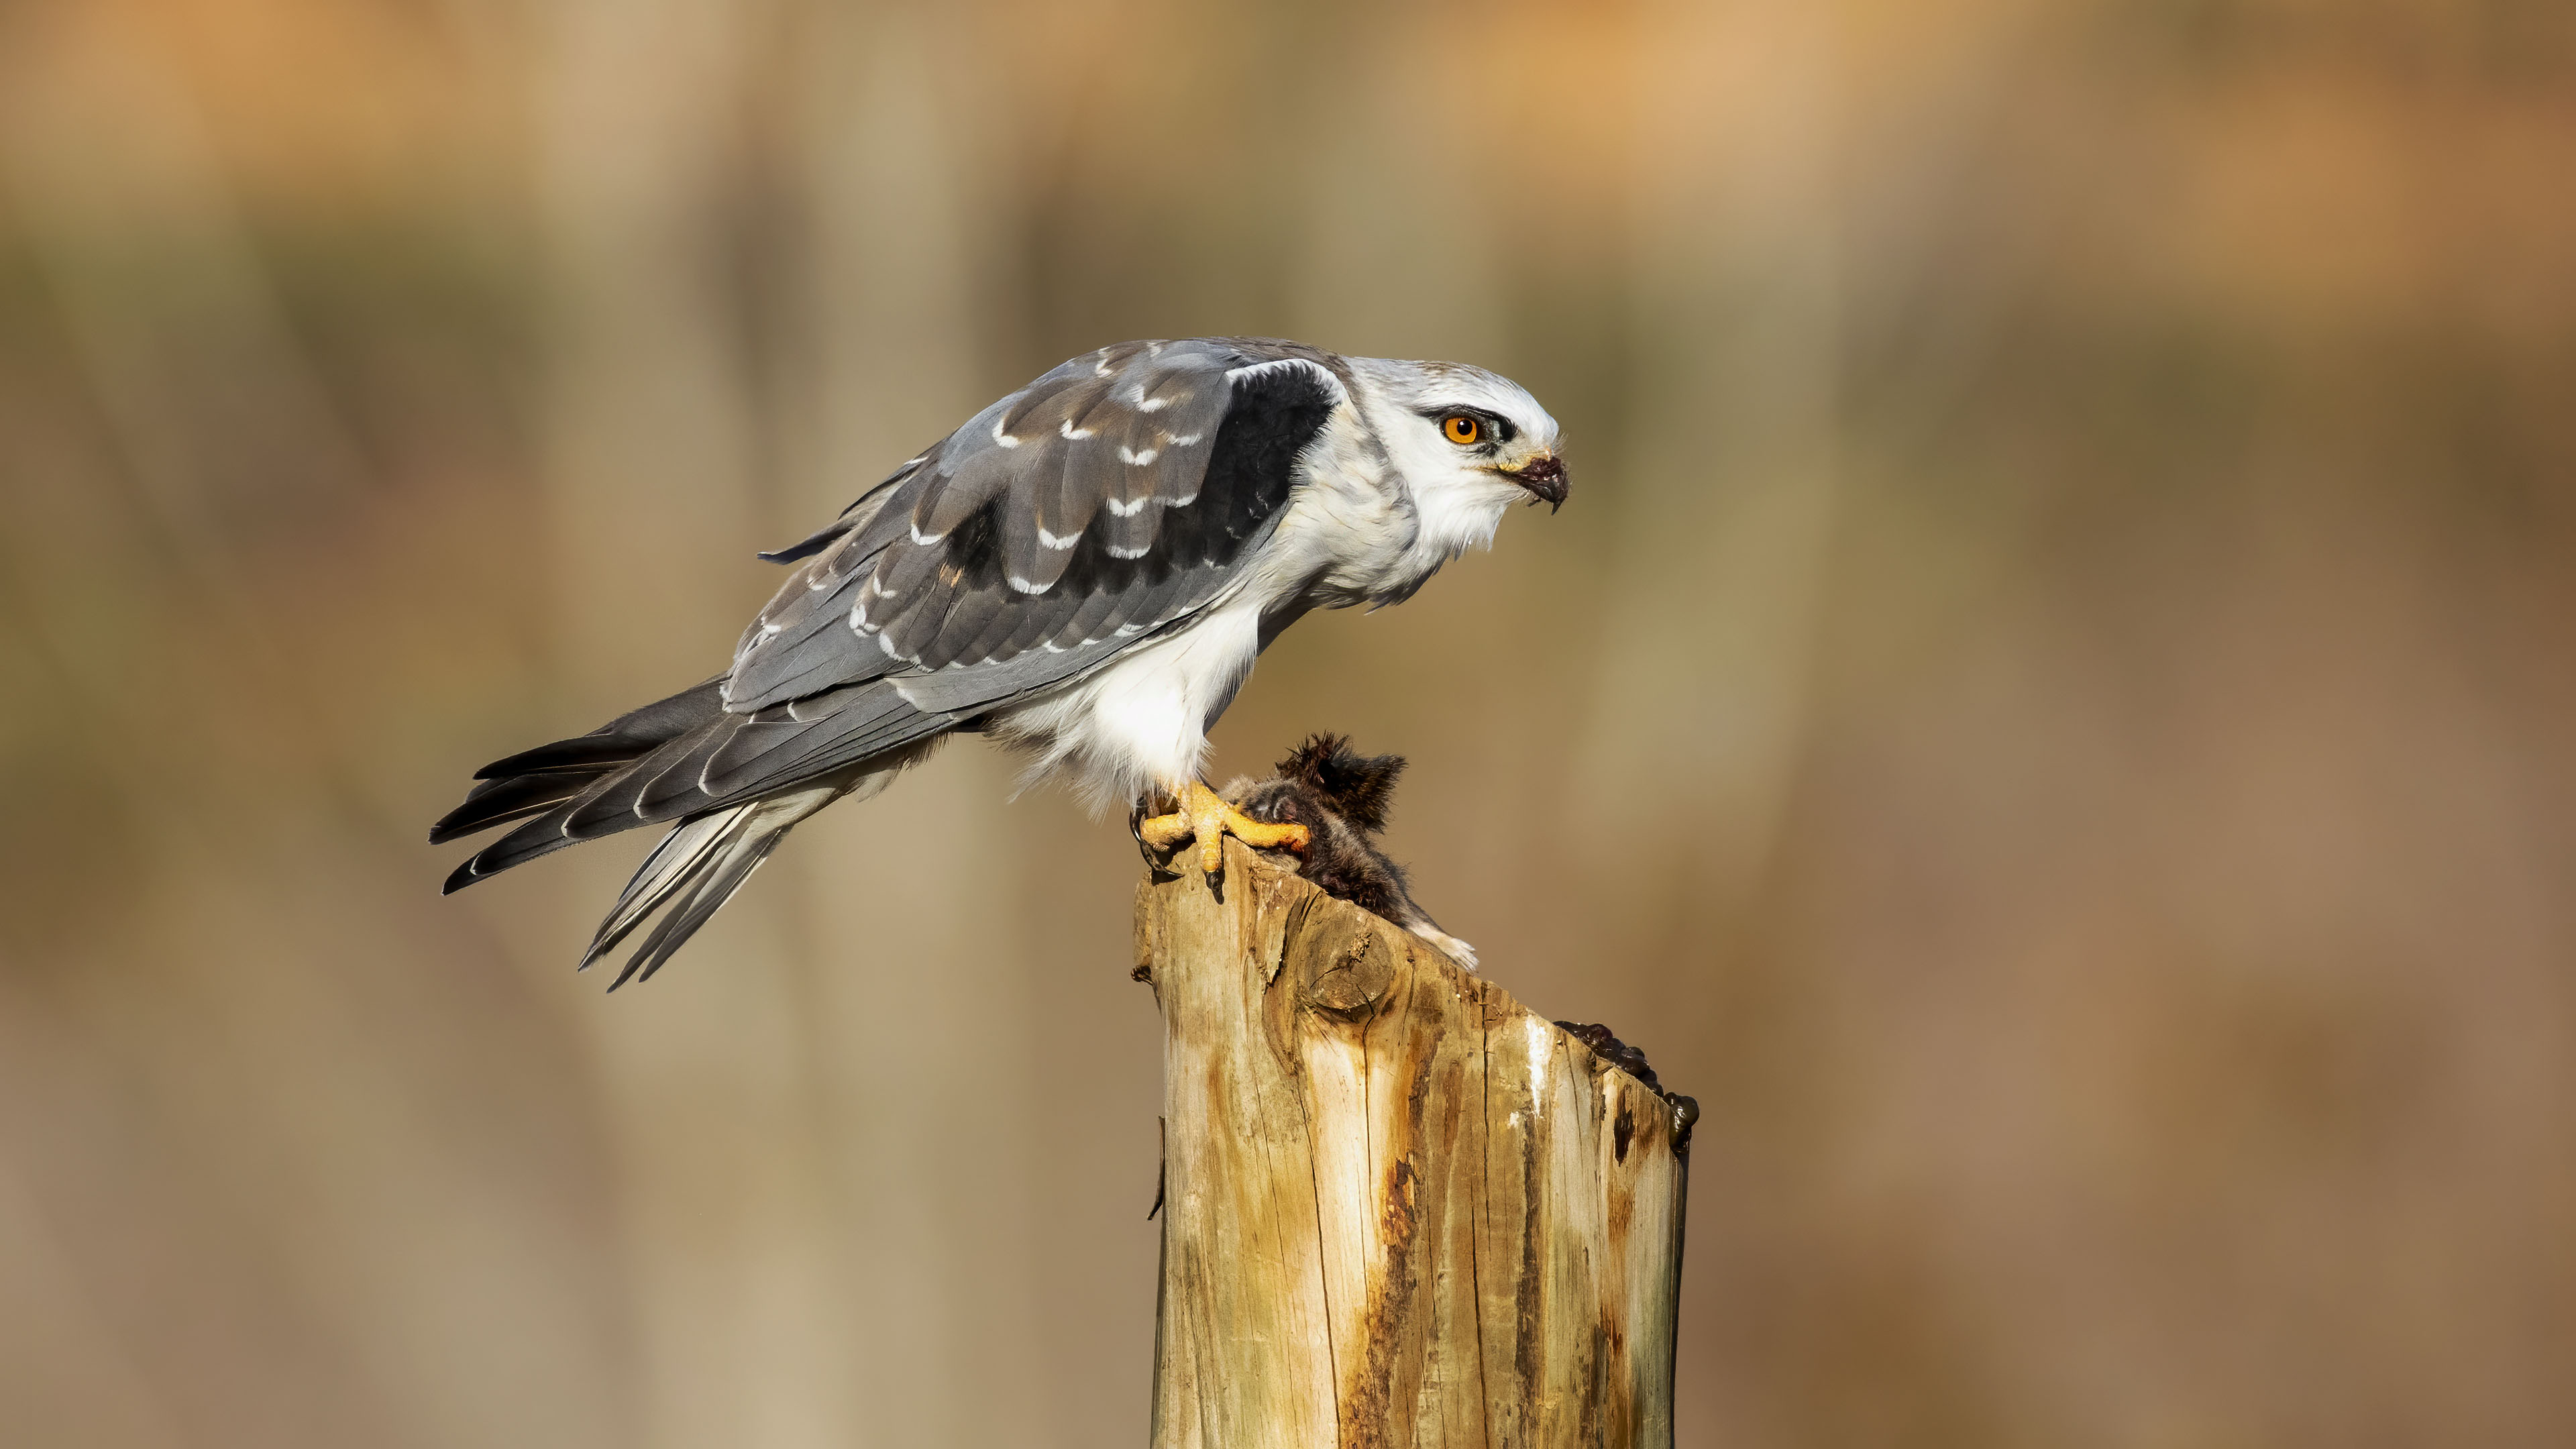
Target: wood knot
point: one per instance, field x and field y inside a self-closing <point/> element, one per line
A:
<point x="1344" y="977"/>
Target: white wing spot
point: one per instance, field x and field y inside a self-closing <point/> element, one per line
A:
<point x="924" y="538"/>
<point x="1116" y="552"/>
<point x="1181" y="502"/>
<point x="1003" y="438"/>
<point x="1139" y="459"/>
<point x="1101" y="368"/>
<point x="1052" y="541"/>
<point x="859" y="611"/>
<point x="1181" y="440"/>
<point x="1069" y="430"/>
<point x="1128" y="507"/>
<point x="1024" y="586"/>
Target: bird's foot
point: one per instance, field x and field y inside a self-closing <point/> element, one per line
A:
<point x="1202" y="815"/>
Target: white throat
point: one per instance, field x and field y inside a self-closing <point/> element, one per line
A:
<point x="1455" y="508"/>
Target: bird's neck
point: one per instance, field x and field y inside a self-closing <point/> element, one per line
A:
<point x="1451" y="519"/>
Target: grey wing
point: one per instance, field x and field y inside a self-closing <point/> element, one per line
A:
<point x="1106" y="502"/>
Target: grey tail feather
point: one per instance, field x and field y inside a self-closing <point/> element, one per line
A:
<point x="624" y="738"/>
<point x="552" y="781"/>
<point x="695" y="870"/>
<point x="498" y="801"/>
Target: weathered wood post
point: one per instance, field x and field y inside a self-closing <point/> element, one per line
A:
<point x="1398" y="1207"/>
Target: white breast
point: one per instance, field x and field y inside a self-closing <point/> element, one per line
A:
<point x="1140" y="724"/>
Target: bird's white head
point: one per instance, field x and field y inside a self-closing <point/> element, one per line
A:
<point x="1466" y="443"/>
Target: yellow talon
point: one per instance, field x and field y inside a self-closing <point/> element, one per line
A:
<point x="1204" y="815"/>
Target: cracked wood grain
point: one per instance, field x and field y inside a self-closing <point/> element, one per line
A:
<point x="1399" y="1208"/>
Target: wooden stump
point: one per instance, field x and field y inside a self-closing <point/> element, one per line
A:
<point x="1398" y="1207"/>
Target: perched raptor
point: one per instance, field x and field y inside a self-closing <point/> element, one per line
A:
<point x="1084" y="571"/>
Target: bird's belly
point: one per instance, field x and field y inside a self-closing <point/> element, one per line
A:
<point x="1140" y="724"/>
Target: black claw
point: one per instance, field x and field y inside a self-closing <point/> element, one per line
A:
<point x="1216" y="883"/>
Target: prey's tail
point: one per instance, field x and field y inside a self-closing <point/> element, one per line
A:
<point x="618" y="777"/>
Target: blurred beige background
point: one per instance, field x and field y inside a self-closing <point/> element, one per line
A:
<point x="2052" y="709"/>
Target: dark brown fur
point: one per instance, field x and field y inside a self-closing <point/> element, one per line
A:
<point x="1342" y="797"/>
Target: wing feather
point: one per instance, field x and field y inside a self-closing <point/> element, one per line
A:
<point x="1105" y="502"/>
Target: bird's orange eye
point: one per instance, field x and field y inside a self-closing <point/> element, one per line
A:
<point x="1462" y="429"/>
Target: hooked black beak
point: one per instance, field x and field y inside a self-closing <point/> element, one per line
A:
<point x="1544" y="477"/>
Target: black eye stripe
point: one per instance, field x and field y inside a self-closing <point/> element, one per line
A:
<point x="1496" y="427"/>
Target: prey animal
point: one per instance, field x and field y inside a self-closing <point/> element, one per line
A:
<point x="1341" y="798"/>
<point x="1083" y="571"/>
